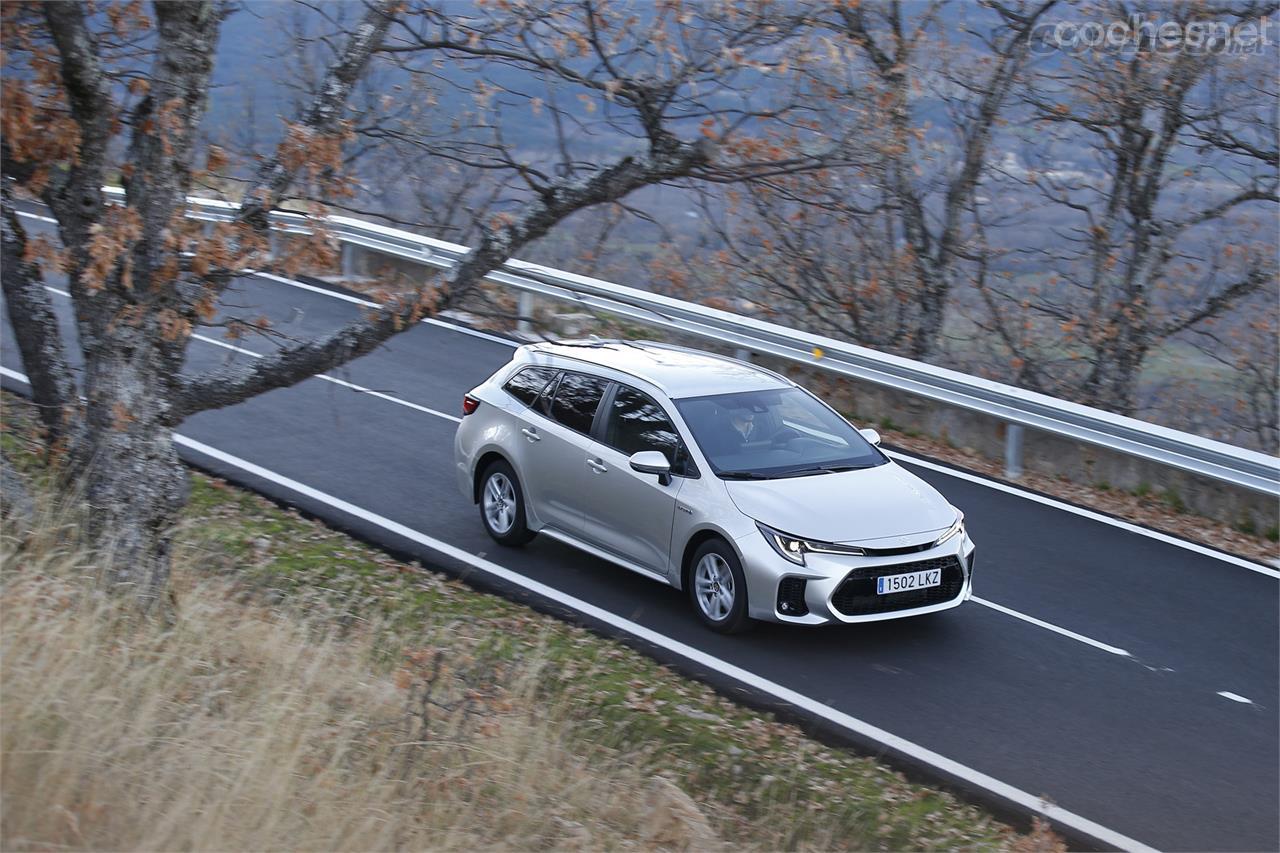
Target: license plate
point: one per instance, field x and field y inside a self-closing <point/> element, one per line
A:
<point x="888" y="584"/>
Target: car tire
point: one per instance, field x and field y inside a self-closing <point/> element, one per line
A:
<point x="502" y="505"/>
<point x="714" y="571"/>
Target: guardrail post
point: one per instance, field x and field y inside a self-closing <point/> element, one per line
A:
<point x="524" y="310"/>
<point x="1013" y="451"/>
<point x="349" y="260"/>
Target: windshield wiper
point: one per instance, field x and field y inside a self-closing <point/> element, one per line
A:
<point x="743" y="475"/>
<point x="823" y="469"/>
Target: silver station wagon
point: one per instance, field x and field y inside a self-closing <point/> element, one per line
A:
<point x="724" y="480"/>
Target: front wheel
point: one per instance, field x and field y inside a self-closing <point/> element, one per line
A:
<point x="502" y="506"/>
<point x="718" y="588"/>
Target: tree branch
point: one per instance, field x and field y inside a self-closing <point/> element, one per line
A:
<point x="669" y="158"/>
<point x="1257" y="278"/>
<point x="325" y="112"/>
<point x="89" y="95"/>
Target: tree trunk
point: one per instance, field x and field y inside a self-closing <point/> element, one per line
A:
<point x="1112" y="383"/>
<point x="126" y="464"/>
<point x="933" y="311"/>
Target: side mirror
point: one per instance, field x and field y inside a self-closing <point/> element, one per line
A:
<point x="652" y="462"/>
<point x="871" y="435"/>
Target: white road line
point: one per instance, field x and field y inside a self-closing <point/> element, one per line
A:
<point x="1049" y="626"/>
<point x="23" y="213"/>
<point x="697" y="656"/>
<point x="1090" y="514"/>
<point x="1234" y="697"/>
<point x="336" y="381"/>
<point x="345" y="297"/>
<point x="356" y="300"/>
<point x="475" y="333"/>
<point x="381" y="396"/>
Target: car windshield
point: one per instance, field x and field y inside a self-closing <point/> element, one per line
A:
<point x="786" y="432"/>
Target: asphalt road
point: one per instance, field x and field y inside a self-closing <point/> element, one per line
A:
<point x="1144" y="743"/>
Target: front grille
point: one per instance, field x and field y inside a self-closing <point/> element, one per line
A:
<point x="894" y="552"/>
<point x="857" y="595"/>
<point x="791" y="597"/>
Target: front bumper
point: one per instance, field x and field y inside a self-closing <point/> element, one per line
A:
<point x="823" y="575"/>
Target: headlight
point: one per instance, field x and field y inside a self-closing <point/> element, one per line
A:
<point x="793" y="549"/>
<point x="952" y="531"/>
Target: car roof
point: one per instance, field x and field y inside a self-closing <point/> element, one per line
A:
<point x="678" y="371"/>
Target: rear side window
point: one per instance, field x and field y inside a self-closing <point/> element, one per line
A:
<point x="577" y="398"/>
<point x="527" y="384"/>
<point x="638" y="423"/>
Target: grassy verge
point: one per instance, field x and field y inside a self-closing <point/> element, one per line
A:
<point x="310" y="692"/>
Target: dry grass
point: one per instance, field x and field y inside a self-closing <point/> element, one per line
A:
<point x="234" y="727"/>
<point x="307" y="691"/>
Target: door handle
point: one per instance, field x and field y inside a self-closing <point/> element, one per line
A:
<point x="531" y="434"/>
<point x="597" y="466"/>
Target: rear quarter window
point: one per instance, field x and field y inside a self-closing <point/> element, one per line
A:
<point x="527" y="384"/>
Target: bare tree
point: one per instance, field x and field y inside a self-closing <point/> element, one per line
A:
<point x="1168" y="220"/>
<point x="1249" y="346"/>
<point x="90" y="96"/>
<point x="914" y="190"/>
<point x="86" y="95"/>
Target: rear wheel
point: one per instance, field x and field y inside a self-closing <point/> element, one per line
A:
<point x="502" y="505"/>
<point x="718" y="589"/>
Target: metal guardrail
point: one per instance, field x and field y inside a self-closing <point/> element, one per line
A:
<point x="1019" y="408"/>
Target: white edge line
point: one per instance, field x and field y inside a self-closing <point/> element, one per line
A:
<point x="1234" y="697"/>
<point x="1049" y="626"/>
<point x="1087" y="513"/>
<point x="812" y="706"/>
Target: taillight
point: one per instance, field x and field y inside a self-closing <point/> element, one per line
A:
<point x="469" y="405"/>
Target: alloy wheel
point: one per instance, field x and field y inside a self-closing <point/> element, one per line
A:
<point x="713" y="583"/>
<point x="499" y="503"/>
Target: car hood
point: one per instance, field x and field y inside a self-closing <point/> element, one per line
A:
<point x="885" y="502"/>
